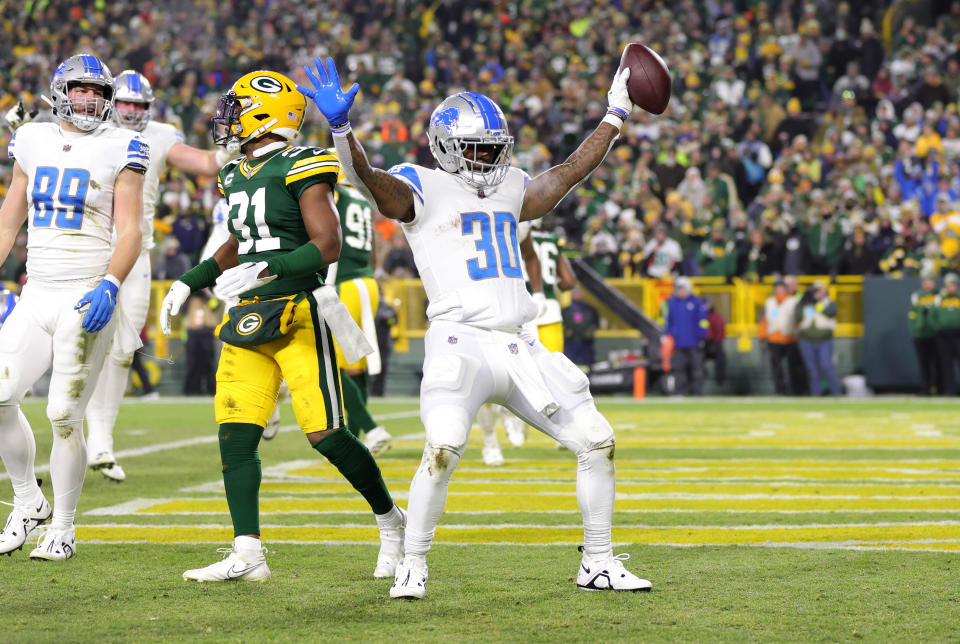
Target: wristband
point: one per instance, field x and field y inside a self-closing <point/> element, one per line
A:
<point x="113" y="280"/>
<point x="301" y="261"/>
<point x="615" y="117"/>
<point x="202" y="275"/>
<point x="343" y="128"/>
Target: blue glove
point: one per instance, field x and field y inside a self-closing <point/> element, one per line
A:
<point x="99" y="304"/>
<point x="328" y="95"/>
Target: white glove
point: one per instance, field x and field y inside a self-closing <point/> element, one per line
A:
<point x="541" y="301"/>
<point x="224" y="157"/>
<point x="174" y="299"/>
<point x="619" y="105"/>
<point x="17" y="116"/>
<point x="240" y="279"/>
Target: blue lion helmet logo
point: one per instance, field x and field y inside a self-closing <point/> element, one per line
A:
<point x="447" y="118"/>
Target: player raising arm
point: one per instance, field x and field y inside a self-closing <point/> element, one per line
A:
<point x="461" y="222"/>
<point x="73" y="182"/>
<point x="134" y="111"/>
<point x="284" y="230"/>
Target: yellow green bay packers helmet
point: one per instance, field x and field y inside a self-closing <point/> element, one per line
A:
<point x="259" y="103"/>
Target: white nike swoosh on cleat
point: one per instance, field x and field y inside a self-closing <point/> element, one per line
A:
<point x="233" y="573"/>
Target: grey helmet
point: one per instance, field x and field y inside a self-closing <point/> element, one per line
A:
<point x="466" y="120"/>
<point x="75" y="70"/>
<point x="133" y="87"/>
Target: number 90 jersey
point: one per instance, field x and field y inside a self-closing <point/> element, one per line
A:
<point x="466" y="248"/>
<point x="70" y="182"/>
<point x="264" y="202"/>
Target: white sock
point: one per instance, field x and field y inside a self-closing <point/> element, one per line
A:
<point x="391" y="519"/>
<point x="247" y="544"/>
<point x="18" y="449"/>
<point x="104" y="405"/>
<point x="596" y="488"/>
<point x="428" y="496"/>
<point x="487" y="420"/>
<point x="68" y="466"/>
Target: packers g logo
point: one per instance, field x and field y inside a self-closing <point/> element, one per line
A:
<point x="249" y="323"/>
<point x="266" y="84"/>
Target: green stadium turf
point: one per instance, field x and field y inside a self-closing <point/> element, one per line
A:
<point x="755" y="519"/>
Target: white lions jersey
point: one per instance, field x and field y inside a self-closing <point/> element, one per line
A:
<point x="161" y="137"/>
<point x="70" y="181"/>
<point x="466" y="248"/>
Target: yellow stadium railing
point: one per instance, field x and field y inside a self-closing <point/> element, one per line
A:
<point x="740" y="304"/>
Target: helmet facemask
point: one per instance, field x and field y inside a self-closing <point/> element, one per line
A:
<point x="468" y="137"/>
<point x="225" y="124"/>
<point x="86" y="113"/>
<point x="133" y="119"/>
<point x="132" y="87"/>
<point x="480" y="174"/>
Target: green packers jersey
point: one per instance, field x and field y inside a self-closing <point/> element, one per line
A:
<point x="264" y="202"/>
<point x="548" y="246"/>
<point x="356" y="222"/>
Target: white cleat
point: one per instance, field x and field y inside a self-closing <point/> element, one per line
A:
<point x="516" y="430"/>
<point x="609" y="575"/>
<point x="101" y="460"/>
<point x="391" y="549"/>
<point x="410" y="581"/>
<point x="150" y="397"/>
<point x="492" y="456"/>
<point x="273" y="425"/>
<point x="55" y="545"/>
<point x="378" y="440"/>
<point x="22" y="521"/>
<point x="236" y="565"/>
<point x="114" y="473"/>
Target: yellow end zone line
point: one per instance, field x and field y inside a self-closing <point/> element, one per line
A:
<point x="912" y="536"/>
<point x="524" y="502"/>
<point x="546" y="488"/>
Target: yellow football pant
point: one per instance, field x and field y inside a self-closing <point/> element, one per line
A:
<point x="355" y="295"/>
<point x="551" y="335"/>
<point x="248" y="378"/>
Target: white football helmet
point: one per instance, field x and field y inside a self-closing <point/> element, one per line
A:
<point x="469" y="121"/>
<point x="133" y="87"/>
<point x="76" y="70"/>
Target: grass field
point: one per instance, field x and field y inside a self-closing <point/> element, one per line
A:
<point x="756" y="520"/>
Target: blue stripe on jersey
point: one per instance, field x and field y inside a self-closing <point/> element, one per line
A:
<point x="138" y="149"/>
<point x="13" y="140"/>
<point x="408" y="174"/>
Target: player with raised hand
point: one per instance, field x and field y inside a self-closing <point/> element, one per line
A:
<point x="134" y="111"/>
<point x="284" y="231"/>
<point x="461" y="222"/>
<point x="74" y="182"/>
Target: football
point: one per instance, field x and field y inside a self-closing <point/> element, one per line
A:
<point x="649" y="84"/>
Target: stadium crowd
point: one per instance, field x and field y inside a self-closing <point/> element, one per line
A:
<point x="803" y="137"/>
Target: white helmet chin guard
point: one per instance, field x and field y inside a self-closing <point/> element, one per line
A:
<point x="78" y="70"/>
<point x="465" y="126"/>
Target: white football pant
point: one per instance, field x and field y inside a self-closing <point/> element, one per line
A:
<point x="133" y="301"/>
<point x="465" y="367"/>
<point x="45" y="329"/>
